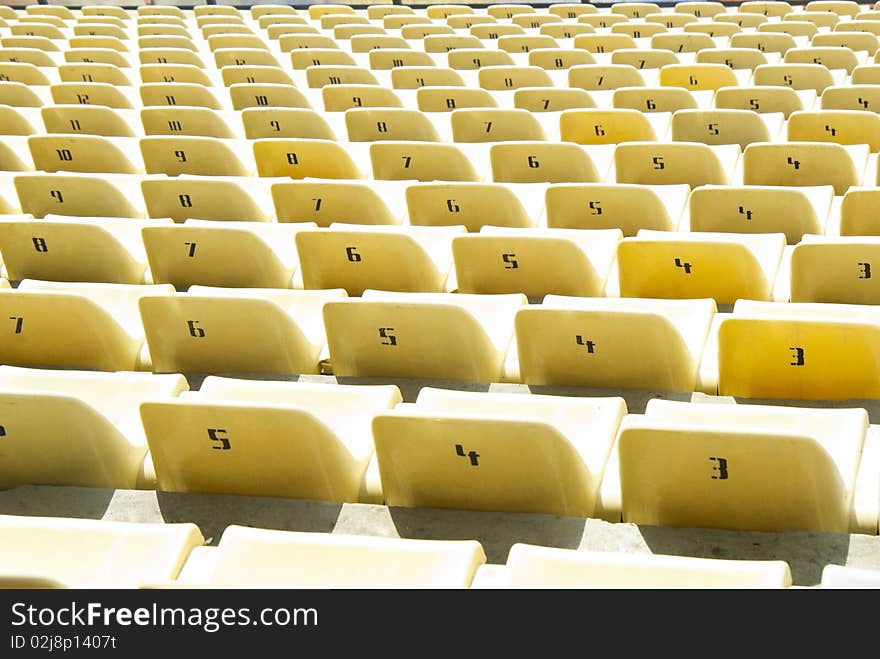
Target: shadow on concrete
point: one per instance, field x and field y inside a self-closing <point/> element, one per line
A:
<point x="48" y="501"/>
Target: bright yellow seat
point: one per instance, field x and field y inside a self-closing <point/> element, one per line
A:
<point x="838" y="270"/>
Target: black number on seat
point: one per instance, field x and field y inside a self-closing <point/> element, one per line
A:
<point x="219" y="435"/>
<point x="797" y="354"/>
<point x="720" y="467"/>
<point x="194" y="331"/>
<point x="385" y="333"/>
<point x="19" y="321"/>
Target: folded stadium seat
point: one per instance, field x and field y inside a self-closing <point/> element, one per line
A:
<point x="713" y="127"/>
<point x="157" y="11"/>
<point x="339" y="98"/>
<point x="839" y="269"/>
<point x="244" y="57"/>
<point x="673" y="459"/>
<point x="209" y="198"/>
<point x="495" y="30"/>
<point x="200" y="331"/>
<point x="169" y="56"/>
<point x="326" y="201"/>
<point x="235" y="41"/>
<point x="15" y="154"/>
<point x="321" y="75"/>
<point x="698" y="77"/>
<point x="190" y="121"/>
<point x="212" y="30"/>
<point x="852" y="97"/>
<point x="635" y="9"/>
<point x="180" y="93"/>
<point x="615" y="206"/>
<point x="472" y="58"/>
<point x="200" y="156"/>
<point x="259" y="75"/>
<point x="389" y="258"/>
<point x="601" y="20"/>
<point x="418" y="30"/>
<point x="604" y="43"/>
<point x="643" y="58"/>
<point x="551" y="99"/>
<point x="722" y="266"/>
<point x="650" y="100"/>
<point x="91" y="120"/>
<point x="671" y="20"/>
<point x="85" y="154"/>
<point x="735" y="58"/>
<point x="764" y="99"/>
<point x="839" y="126"/>
<point x="291" y="433"/>
<point x="285" y="122"/>
<point x="61" y="248"/>
<point x="858" y="42"/>
<point x="32" y="56"/>
<point x="37" y="38"/>
<point x="389" y="124"/>
<point x="104" y="11"/>
<point x="97" y="43"/>
<point x="246" y="95"/>
<point x="308" y="56"/>
<point x="683" y="42"/>
<point x="364" y="43"/>
<point x="421" y="335"/>
<point x="94" y="72"/>
<point x="98" y="416"/>
<point x="385" y="59"/>
<point x="559" y="58"/>
<point x="75" y="325"/>
<point x="308" y="158"/>
<point x="496" y="452"/>
<point x="503" y="78"/>
<point x="832" y="57"/>
<point x="587" y="342"/>
<point x="656" y="163"/>
<point x="804" y="164"/>
<point x="503" y="260"/>
<point x="596" y="77"/>
<point x="799" y="76"/>
<point x="93" y="93"/>
<point x="20" y="121"/>
<point x="793" y="28"/>
<point x="720" y="31"/>
<point x="500" y="125"/>
<point x="427" y="161"/>
<point x="416" y="77"/>
<point x="475" y="205"/>
<point x="97" y="554"/>
<point x="212" y="253"/>
<point x="639" y="29"/>
<point x="766" y="42"/>
<point x="27" y="87"/>
<point x="447" y="99"/>
<point x="515" y="43"/>
<point x="535" y="20"/>
<point x="839" y="7"/>
<point x="761" y="209"/>
<point x="549" y="162"/>
<point x="798" y="351"/>
<point x="155" y="29"/>
<point x="167" y="41"/>
<point x="857" y="212"/>
<point x="611" y="126"/>
<point x="444" y="11"/>
<point x="82" y="195"/>
<point x="866" y="74"/>
<point x="530" y="566"/>
<point x="255" y="558"/>
<point x="837" y="576"/>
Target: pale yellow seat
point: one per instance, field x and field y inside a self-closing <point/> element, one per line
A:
<point x="840" y="270"/>
<point x="797" y="76"/>
<point x="165" y="55"/>
<point x="820" y="19"/>
<point x="339" y="98"/>
<point x="799" y="351"/>
<point x="768" y="42"/>
<point x="201" y="156"/>
<point x="654" y="99"/>
<point x="571" y="10"/>
<point x="322" y="75"/>
<point x="761" y="209"/>
<point x="496" y="452"/>
<point x="326" y="201"/>
<point x="495" y="125"/>
<point x="395" y="124"/>
<point x="595" y="77"/>
<point x="656" y="163"/>
<point x="212" y="253"/>
<point x="387" y="258"/>
<point x="471" y="58"/>
<point x="500" y="78"/>
<point x="804" y="164"/>
<point x="839" y="126"/>
<point x="89" y="120"/>
<point x="305" y="158"/>
<point x="174" y="73"/>
<point x="208" y="198"/>
<point x="722" y="266"/>
<point x="416" y="77"/>
<point x="639" y="29"/>
<point x="190" y="121"/>
<point x="716" y="30"/>
<point x="92" y="93"/>
<point x="735" y="58"/>
<point x="447" y="99"/>
<point x="858" y="42"/>
<point x="643" y="58"/>
<point x="256" y="558"/>
<point x="286" y="122"/>
<point x="259" y="95"/>
<point x="545" y="162"/>
<point x="635" y="9"/>
<point x="322" y="55"/>
<point x="672" y="20"/>
<point x="530" y="566"/>
<point x="82" y="195"/>
<point x="18" y="121"/>
<point x="852" y="97"/>
<point x="179" y="93"/>
<point x="62" y="248"/>
<point x="19" y="94"/>
<point x="774" y="8"/>
<point x="832" y="57"/>
<point x="551" y="99"/>
<point x="839" y="7"/>
<point x="97" y="553"/>
<point x="473" y="205"/>
<point x="617" y="206"/>
<point x="606" y="126"/>
<point x="559" y="58"/>
<point x="85" y="154"/>
<point x="740" y="127"/>
<point x="792" y="28"/>
<point x="839" y="577"/>
<point x="857" y="212"/>
<point x="602" y="20"/>
<point x="868" y="74"/>
<point x="421" y="335"/>
<point x="306" y="441"/>
<point x="588" y="342"/>
<point x="78" y="428"/>
<point x="604" y="43"/>
<point x="74" y="325"/>
<point x="235" y="330"/>
<point x="423" y="161"/>
<point x="761" y="99"/>
<point x="253" y="75"/>
<point x="535" y="262"/>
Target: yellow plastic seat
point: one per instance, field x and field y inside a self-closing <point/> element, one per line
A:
<point x="422" y="161"/>
<point x="98" y="553"/>
<point x="635" y="9"/>
<point x="851" y="97"/>
<point x="257" y="558"/>
<point x="735" y="58"/>
<point x="796" y="76"/>
<point x="543" y="162"/>
<point x="792" y="28"/>
<point x="655" y="163"/>
<point x="550" y="99"/>
<point x="90" y="93"/>
<point x="530" y="566"/>
<point x="839" y="7"/>
<point x="339" y="98"/>
<point x="274" y="95"/>
<point x="421" y="335"/>
<point x="587" y="342"/>
<point x="291" y="433"/>
<point x="804" y="164"/>
<point x="643" y="58"/>
<point x="798" y="351"/>
<point x="766" y="42"/>
<point x="495" y="125"/>
<point x="76" y="428"/>
<point x="252" y="75"/>
<point x="858" y="42"/>
<point x="203" y="156"/>
<point x="604" y="43"/>
<point x="326" y="201"/>
<point x="838" y="126"/>
<point x="416" y="77"/>
<point x="535" y="262"/>
<point x="653" y="99"/>
<point x="496" y="452"/>
<point x="89" y="120"/>
<point x="857" y="216"/>
<point x="81" y="195"/>
<point x="474" y="58"/>
<point x="559" y="58"/>
<point x="447" y="99"/>
<point x="389" y="124"/>
<point x="472" y="205"/>
<point x="605" y="126"/>
<point x="189" y="121"/>
<point x="13" y="121"/>
<point x="84" y="154"/>
<point x="639" y="29"/>
<point x="94" y="72"/>
<point x="500" y="78"/>
<point x="741" y="127"/>
<point x="304" y="158"/>
<point x="303" y="58"/>
<point x="832" y="57"/>
<point x="759" y="98"/>
<point x="836" y="270"/>
<point x="610" y="76"/>
<point x="235" y="330"/>
<point x="387" y="258"/>
<point x="716" y="466"/>
<point x="721" y="266"/>
<point x="211" y="253"/>
<point x="285" y="122"/>
<point x="74" y="325"/>
<point x="698" y="76"/>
